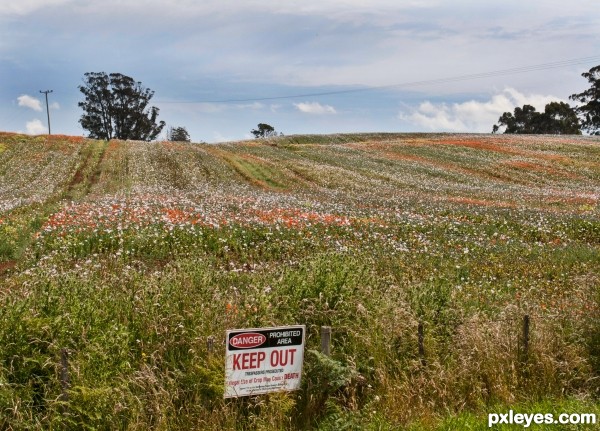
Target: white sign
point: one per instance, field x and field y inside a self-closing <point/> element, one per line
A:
<point x="263" y="360"/>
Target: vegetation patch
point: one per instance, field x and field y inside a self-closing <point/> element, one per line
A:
<point x="128" y="257"/>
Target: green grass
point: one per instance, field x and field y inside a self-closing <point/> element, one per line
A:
<point x="256" y="173"/>
<point x="88" y="171"/>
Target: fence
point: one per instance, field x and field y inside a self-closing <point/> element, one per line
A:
<point x="326" y="336"/>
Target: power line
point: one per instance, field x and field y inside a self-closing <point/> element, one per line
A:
<point x="490" y="74"/>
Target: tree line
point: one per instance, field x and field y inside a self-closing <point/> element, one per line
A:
<point x="115" y="106"/>
<point x="559" y="118"/>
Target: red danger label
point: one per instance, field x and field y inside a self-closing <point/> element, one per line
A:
<point x="247" y="340"/>
<point x="276" y="337"/>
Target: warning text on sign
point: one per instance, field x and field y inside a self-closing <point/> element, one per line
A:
<point x="263" y="360"/>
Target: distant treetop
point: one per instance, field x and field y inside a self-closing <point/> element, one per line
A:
<point x="178" y="134"/>
<point x="558" y="118"/>
<point x="263" y="131"/>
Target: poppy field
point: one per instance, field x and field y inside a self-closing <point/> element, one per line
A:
<point x="120" y="260"/>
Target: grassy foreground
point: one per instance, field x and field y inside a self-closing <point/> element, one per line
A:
<point x="125" y="257"/>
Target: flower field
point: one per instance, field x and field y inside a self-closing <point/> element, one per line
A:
<point x="130" y="255"/>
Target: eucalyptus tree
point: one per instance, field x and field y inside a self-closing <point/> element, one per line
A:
<point x="116" y="107"/>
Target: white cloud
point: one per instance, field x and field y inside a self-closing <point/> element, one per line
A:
<point x="314" y="108"/>
<point x="55" y="106"/>
<point x="23" y="7"/>
<point x="472" y="116"/>
<point x="30" y="102"/>
<point x="35" y="127"/>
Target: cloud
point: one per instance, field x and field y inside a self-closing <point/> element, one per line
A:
<point x="302" y="6"/>
<point x="55" y="106"/>
<point x="23" y="7"/>
<point x="35" y="127"/>
<point x="312" y="42"/>
<point x="314" y="108"/>
<point x="30" y="102"/>
<point x="471" y="116"/>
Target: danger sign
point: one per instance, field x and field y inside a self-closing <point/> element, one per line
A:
<point x="258" y="361"/>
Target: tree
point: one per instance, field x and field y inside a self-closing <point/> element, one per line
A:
<point x="116" y="106"/>
<point x="521" y="121"/>
<point x="263" y="131"/>
<point x="178" y="134"/>
<point x="590" y="110"/>
<point x="558" y="118"/>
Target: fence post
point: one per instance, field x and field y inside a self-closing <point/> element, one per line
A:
<point x="421" y="338"/>
<point x="64" y="379"/>
<point x="326" y="340"/>
<point x="526" y="337"/>
<point x="210" y="345"/>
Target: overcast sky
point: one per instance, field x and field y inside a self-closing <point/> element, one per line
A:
<point x="400" y="57"/>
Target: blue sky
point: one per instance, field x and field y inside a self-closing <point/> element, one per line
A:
<point x="195" y="54"/>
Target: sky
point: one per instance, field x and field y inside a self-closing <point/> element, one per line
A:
<point x="220" y="67"/>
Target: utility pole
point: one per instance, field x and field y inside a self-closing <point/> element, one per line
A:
<point x="47" y="110"/>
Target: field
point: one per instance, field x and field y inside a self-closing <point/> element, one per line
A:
<point x="123" y="258"/>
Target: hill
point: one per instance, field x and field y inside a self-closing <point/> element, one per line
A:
<point x="130" y="255"/>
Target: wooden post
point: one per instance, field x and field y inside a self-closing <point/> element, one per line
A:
<point x="210" y="345"/>
<point x="526" y="337"/>
<point x="64" y="378"/>
<point x="326" y="340"/>
<point x="421" y="338"/>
